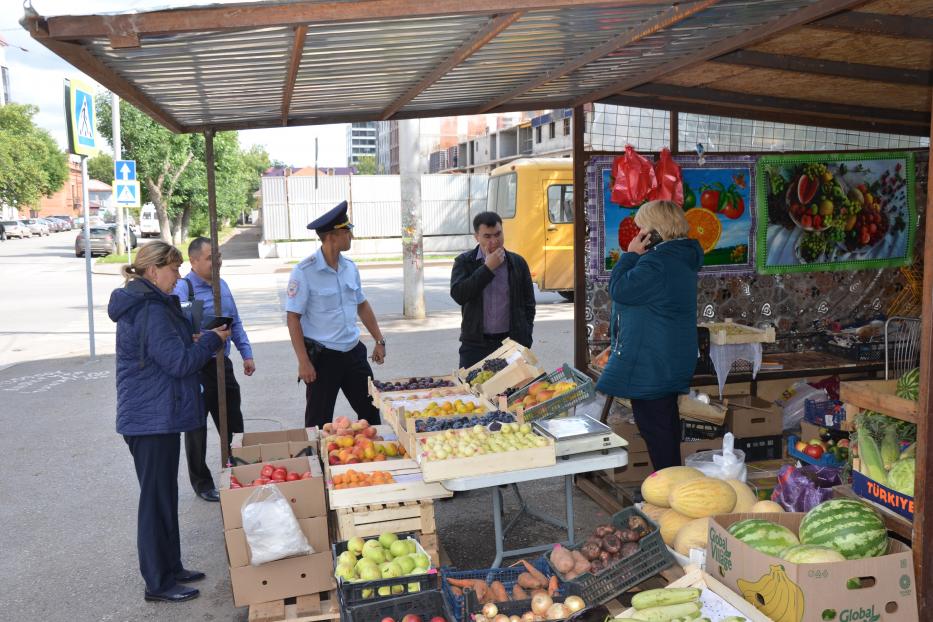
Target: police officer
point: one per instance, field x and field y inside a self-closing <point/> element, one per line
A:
<point x="323" y="300"/>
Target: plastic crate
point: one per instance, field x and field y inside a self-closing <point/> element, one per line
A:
<point x="425" y="604"/>
<point x="691" y="429"/>
<point x="356" y="592"/>
<point x="651" y="558"/>
<point x="515" y="608"/>
<point x="857" y="350"/>
<point x="585" y="390"/>
<point x="827" y="459"/>
<point x="508" y="576"/>
<point x="824" y="413"/>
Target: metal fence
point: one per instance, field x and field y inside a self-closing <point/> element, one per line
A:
<point x="448" y="204"/>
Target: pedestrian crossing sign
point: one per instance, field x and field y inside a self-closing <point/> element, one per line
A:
<point x="82" y="117"/>
<point x="126" y="193"/>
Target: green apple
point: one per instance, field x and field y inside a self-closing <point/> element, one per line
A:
<point x="421" y="560"/>
<point x="386" y="539"/>
<point x="412" y="547"/>
<point x="355" y="544"/>
<point x="371" y="544"/>
<point x="398" y="589"/>
<point x="388" y="554"/>
<point x="370" y="573"/>
<point x="367" y="593"/>
<point x="406" y="562"/>
<point x="347" y="557"/>
<point x="345" y="572"/>
<point x="376" y="554"/>
<point x="390" y="570"/>
<point x="364" y="563"/>
<point x="399" y="548"/>
<point x="414" y="587"/>
<point x="385" y="591"/>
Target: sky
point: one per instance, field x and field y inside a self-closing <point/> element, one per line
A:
<point x="36" y="77"/>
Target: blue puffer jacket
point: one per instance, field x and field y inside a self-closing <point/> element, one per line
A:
<point x="655" y="296"/>
<point x="157" y="362"/>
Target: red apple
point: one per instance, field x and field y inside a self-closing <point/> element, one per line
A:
<point x="388" y="619"/>
<point x="411" y="618"/>
<point x="801" y="446"/>
<point x="814" y="451"/>
<point x="438" y="619"/>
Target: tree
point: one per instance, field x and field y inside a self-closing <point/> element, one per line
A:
<point x="31" y="164"/>
<point x="366" y="165"/>
<point x="100" y="167"/>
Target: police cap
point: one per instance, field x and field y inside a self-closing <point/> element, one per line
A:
<point x="335" y="218"/>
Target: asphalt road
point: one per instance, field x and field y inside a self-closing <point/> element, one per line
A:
<point x="67" y="550"/>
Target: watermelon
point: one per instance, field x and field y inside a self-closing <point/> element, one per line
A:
<point x="765" y="536"/>
<point x="811" y="554"/>
<point x="849" y="526"/>
<point x="908" y="385"/>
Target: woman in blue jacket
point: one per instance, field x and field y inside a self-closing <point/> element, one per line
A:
<point x="158" y="398"/>
<point x="654" y="295"/>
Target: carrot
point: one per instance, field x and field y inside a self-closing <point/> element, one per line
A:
<point x="498" y="592"/>
<point x="518" y="593"/>
<point x="552" y="586"/>
<point x="534" y="572"/>
<point x="477" y="585"/>
<point x="456" y="590"/>
<point x="463" y="583"/>
<point x="527" y="581"/>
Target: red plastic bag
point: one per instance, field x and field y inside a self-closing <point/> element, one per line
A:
<point x="634" y="179"/>
<point x="670" y="184"/>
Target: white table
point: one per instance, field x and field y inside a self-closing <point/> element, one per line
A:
<point x="566" y="468"/>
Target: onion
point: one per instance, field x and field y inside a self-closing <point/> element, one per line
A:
<point x="540" y="603"/>
<point x="557" y="611"/>
<point x="514" y="619"/>
<point x="574" y="603"/>
<point x="490" y="610"/>
<point x="528" y="617"/>
<point x="501" y="618"/>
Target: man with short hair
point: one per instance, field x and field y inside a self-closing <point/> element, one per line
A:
<point x="323" y="301"/>
<point x="494" y="290"/>
<point x="196" y="294"/>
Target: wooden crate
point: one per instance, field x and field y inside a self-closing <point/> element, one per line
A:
<point x="728" y="332"/>
<point x="409" y="485"/>
<point x="487" y="464"/>
<point x="371" y="520"/>
<point x="377" y="394"/>
<point x="877" y="395"/>
<point x="309" y="608"/>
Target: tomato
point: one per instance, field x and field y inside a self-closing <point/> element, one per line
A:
<point x="814" y="451"/>
<point x="261" y="481"/>
<point x="279" y="475"/>
<point x="234" y="480"/>
<point x="234" y="485"/>
<point x="733" y="207"/>
<point x="306" y="475"/>
<point x="292" y="477"/>
<point x="267" y="470"/>
<point x="710" y="200"/>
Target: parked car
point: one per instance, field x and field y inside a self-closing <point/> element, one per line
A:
<point x="67" y="220"/>
<point x="129" y="233"/>
<point x="16" y="229"/>
<point x="102" y="242"/>
<point x="37" y="227"/>
<point x="149" y="221"/>
<point x="53" y="224"/>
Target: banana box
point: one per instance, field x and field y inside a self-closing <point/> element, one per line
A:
<point x="875" y="589"/>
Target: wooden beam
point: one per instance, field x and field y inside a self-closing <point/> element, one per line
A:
<point x="469" y="47"/>
<point x="923" y="516"/>
<point x="750" y="37"/>
<point x="93" y="67"/>
<point x="294" y="63"/>
<point x="261" y="15"/>
<point x="664" y="20"/>
<point x="886" y="25"/>
<point x="580" y="349"/>
<point x="857" y="71"/>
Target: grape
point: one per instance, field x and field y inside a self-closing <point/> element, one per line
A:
<point x="412" y="383"/>
<point x="494" y="365"/>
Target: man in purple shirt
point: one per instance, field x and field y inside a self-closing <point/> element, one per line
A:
<point x="494" y="290"/>
<point x="195" y="292"/>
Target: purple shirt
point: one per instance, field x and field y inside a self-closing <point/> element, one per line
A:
<point x="496" y="299"/>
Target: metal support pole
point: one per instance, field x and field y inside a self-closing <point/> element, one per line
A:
<point x="410" y="169"/>
<point x="215" y="286"/>
<point x="85" y="199"/>
<point x="580" y="355"/>
<point x="675" y="132"/>
<point x="123" y="242"/>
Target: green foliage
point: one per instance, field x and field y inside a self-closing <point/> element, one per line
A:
<point x="100" y="167"/>
<point x="31" y="164"/>
<point x="366" y="165"/>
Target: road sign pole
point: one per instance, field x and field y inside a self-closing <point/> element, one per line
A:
<point x="85" y="200"/>
<point x="121" y="231"/>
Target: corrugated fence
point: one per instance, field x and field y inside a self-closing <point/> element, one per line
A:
<point x="448" y="204"/>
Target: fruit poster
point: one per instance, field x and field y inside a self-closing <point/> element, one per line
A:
<point x="718" y="204"/>
<point x="845" y="211"/>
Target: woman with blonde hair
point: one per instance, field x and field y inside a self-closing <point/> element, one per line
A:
<point x="654" y="351"/>
<point x="158" y="398"/>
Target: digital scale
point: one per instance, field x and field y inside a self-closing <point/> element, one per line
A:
<point x="578" y="434"/>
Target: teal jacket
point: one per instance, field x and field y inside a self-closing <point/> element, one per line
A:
<point x="655" y="307"/>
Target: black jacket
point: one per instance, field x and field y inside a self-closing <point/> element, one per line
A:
<point x="468" y="279"/>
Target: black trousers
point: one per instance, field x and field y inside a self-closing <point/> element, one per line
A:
<point x="157" y="541"/>
<point x="658" y="422"/>
<point x="472" y="352"/>
<point x="340" y="371"/>
<point x="196" y="440"/>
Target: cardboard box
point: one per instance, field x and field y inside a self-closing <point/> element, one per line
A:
<point x="295" y="576"/>
<point x="306" y="495"/>
<point x="761" y="447"/>
<point x="253" y="447"/>
<point x="887" y="589"/>
<point x="629" y="431"/>
<point x="638" y="468"/>
<point x="886" y="497"/>
<point x="750" y="416"/>
<point x="691" y="447"/>
<point x="315" y="530"/>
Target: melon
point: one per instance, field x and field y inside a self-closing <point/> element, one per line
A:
<point x="656" y="488"/>
<point x="849" y="526"/>
<point x="765" y="536"/>
<point x="766" y="507"/>
<point x="654" y="512"/>
<point x="908" y="385"/>
<point x="671" y="522"/>
<point x="693" y="535"/>
<point x="744" y="497"/>
<point x="702" y="497"/>
<point x="811" y="554"/>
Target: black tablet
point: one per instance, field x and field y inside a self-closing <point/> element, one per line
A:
<point x="219" y="321"/>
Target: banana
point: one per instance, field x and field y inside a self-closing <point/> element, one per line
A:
<point x="775" y="595"/>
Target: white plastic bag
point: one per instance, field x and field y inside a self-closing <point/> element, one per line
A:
<point x="272" y="531"/>
<point x="725" y="463"/>
<point x="795" y="402"/>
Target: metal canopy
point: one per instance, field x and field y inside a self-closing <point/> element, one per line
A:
<point x="276" y="64"/>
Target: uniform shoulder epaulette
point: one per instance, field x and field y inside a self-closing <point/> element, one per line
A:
<point x="307" y="261"/>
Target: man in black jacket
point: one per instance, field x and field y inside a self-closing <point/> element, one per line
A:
<point x="494" y="290"/>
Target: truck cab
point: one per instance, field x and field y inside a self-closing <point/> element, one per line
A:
<point x="534" y="198"/>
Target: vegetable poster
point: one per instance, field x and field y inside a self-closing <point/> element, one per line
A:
<point x="846" y="211"/>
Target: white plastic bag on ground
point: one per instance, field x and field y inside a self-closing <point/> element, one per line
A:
<point x="725" y="463"/>
<point x="272" y="531"/>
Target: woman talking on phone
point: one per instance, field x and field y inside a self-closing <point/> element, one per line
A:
<point x="158" y="398"/>
<point x="654" y="293"/>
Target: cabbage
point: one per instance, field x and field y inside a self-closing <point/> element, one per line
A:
<point x="901" y="476"/>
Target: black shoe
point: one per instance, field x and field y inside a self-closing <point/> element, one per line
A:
<point x="189" y="576"/>
<point x="210" y="495"/>
<point x="174" y="594"/>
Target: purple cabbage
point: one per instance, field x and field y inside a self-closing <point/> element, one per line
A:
<point x="805" y="487"/>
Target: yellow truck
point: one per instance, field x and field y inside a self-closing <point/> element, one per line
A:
<point x="534" y="198"/>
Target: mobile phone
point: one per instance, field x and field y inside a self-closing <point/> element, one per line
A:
<point x="219" y="321"/>
<point x="654" y="238"/>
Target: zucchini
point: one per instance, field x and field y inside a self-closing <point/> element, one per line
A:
<point x="666" y="613"/>
<point x="665" y="596"/>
